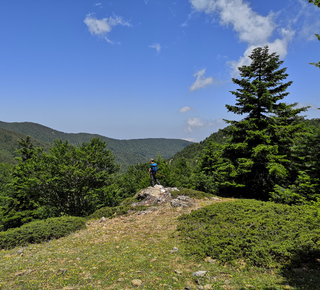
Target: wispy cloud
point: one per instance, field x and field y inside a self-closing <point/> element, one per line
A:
<point x="196" y="123"/>
<point x="201" y="81"/>
<point x="98" y="4"/>
<point x="186" y="109"/>
<point x="102" y="27"/>
<point x="156" y="46"/>
<point x="310" y="105"/>
<point x="252" y="28"/>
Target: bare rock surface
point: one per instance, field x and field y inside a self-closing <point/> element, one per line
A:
<point x="154" y="195"/>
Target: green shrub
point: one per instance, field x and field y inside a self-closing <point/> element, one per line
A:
<point x="190" y="192"/>
<point x="39" y="231"/>
<point x="122" y="209"/>
<point x="260" y="233"/>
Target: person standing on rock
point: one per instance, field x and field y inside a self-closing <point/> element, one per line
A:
<point x="153" y="168"/>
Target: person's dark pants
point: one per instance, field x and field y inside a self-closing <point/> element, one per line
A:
<point x="154" y="179"/>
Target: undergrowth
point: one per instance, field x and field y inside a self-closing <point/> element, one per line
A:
<point x="40" y="231"/>
<point x="191" y="193"/>
<point x="262" y="234"/>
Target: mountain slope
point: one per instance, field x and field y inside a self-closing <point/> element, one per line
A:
<point x="126" y="152"/>
<point x="9" y="144"/>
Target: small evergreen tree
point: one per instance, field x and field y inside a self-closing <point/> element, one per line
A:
<point x="257" y="156"/>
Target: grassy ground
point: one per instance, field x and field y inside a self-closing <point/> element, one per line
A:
<point x="110" y="255"/>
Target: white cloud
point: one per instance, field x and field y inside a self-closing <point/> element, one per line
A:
<point x="186" y="109"/>
<point x="251" y="27"/>
<point x="102" y="27"/>
<point x="98" y="4"/>
<point x="311" y="105"/>
<point x="201" y="81"/>
<point x="195" y="123"/>
<point x="279" y="46"/>
<point x="156" y="46"/>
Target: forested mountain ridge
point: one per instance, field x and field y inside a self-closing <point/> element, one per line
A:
<point x="126" y="152"/>
<point x="9" y="144"/>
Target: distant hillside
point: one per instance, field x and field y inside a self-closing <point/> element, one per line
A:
<point x="126" y="152"/>
<point x="9" y="144"/>
<point x="193" y="151"/>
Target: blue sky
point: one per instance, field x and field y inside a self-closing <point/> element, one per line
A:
<point x="129" y="69"/>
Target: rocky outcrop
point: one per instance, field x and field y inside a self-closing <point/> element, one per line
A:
<point x="183" y="201"/>
<point x="154" y="195"/>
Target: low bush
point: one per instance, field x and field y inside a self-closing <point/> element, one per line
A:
<point x="260" y="233"/>
<point x="110" y="212"/>
<point x="191" y="193"/>
<point x="39" y="231"/>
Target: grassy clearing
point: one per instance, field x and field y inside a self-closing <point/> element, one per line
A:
<point x="110" y="255"/>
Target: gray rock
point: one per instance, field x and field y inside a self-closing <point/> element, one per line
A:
<point x="174" y="250"/>
<point x="215" y="198"/>
<point x="199" y="273"/>
<point x="103" y="219"/>
<point x="19" y="252"/>
<point x="182" y="200"/>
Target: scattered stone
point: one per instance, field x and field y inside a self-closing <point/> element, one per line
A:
<point x="227" y="282"/>
<point x="250" y="286"/>
<point x="69" y="288"/>
<point x="199" y="273"/>
<point x="175" y="279"/>
<point x="199" y="281"/>
<point x="207" y="287"/>
<point x="19" y="252"/>
<point x="178" y="272"/>
<point x="200" y="287"/>
<point x="61" y="271"/>
<point x="215" y="198"/>
<point x="210" y="260"/>
<point x="20" y="273"/>
<point x="120" y="280"/>
<point x="182" y="201"/>
<point x="103" y="220"/>
<point x="174" y="250"/>
<point x="136" y="282"/>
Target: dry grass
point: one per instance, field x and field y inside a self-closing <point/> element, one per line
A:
<point x="110" y="255"/>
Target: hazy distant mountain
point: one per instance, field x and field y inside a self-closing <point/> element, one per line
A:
<point x="126" y="152"/>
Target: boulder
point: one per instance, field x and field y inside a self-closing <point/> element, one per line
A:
<point x="153" y="196"/>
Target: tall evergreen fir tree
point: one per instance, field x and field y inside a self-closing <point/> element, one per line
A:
<point x="258" y="153"/>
